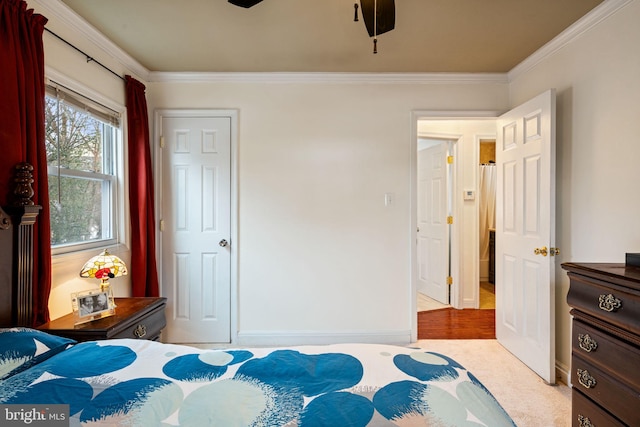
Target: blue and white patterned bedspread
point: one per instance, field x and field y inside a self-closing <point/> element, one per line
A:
<point x="145" y="383"/>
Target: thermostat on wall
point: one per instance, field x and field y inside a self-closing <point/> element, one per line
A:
<point x="469" y="195"/>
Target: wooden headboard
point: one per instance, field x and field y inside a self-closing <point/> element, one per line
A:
<point x="16" y="252"/>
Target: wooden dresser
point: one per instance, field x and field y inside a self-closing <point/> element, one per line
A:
<point x="605" y="362"/>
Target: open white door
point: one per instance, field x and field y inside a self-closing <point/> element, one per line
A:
<point x="525" y="233"/>
<point x="433" y="232"/>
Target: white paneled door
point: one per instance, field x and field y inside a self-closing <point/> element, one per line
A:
<point x="196" y="228"/>
<point x="432" y="236"/>
<point x="525" y="233"/>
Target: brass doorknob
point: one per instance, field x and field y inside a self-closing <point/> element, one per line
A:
<point x="540" y="251"/>
<point x="554" y="251"/>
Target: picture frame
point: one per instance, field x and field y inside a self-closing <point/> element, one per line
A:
<point x="92" y="305"/>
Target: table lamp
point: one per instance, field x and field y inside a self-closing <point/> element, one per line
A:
<point x="104" y="267"/>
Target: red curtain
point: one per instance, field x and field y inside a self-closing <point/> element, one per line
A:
<point x="22" y="135"/>
<point x="143" y="272"/>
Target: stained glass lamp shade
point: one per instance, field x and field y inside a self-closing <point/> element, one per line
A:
<point x="104" y="267"/>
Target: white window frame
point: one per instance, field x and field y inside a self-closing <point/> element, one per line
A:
<point x="117" y="203"/>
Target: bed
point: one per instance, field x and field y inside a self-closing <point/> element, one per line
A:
<point x="139" y="383"/>
<point x="127" y="382"/>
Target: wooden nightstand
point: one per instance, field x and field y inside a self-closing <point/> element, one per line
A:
<point x="138" y="318"/>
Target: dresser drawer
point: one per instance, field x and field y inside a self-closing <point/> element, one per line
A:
<point x="585" y="413"/>
<point x="612" y="356"/>
<point x="615" y="397"/>
<point x="147" y="328"/>
<point x="613" y="304"/>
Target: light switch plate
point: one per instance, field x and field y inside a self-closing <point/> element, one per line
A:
<point x="389" y="199"/>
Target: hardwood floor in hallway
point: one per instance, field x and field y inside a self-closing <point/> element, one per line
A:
<point x="449" y="323"/>
<point x="439" y="321"/>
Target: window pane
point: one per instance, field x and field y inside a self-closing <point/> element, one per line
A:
<point x="77" y="215"/>
<point x="81" y="156"/>
<point x="73" y="137"/>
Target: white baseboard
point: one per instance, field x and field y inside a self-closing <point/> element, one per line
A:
<point x="293" y="338"/>
<point x="562" y="373"/>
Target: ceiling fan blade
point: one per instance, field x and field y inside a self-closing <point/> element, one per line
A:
<point x="245" y="3"/>
<point x="386" y="15"/>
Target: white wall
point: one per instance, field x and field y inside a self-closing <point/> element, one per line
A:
<point x="597" y="78"/>
<point x="320" y="256"/>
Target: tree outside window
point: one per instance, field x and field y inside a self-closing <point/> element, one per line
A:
<point x="81" y="164"/>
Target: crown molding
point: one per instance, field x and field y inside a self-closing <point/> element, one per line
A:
<point x="591" y="19"/>
<point x="331" y="77"/>
<point x="67" y="17"/>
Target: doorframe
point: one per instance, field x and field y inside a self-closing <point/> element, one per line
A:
<point x="156" y="147"/>
<point x="456" y="244"/>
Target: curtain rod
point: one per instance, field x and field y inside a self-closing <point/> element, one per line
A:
<point x="88" y="57"/>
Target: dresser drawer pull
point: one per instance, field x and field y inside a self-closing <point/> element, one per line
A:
<point x="584" y="421"/>
<point x="609" y="303"/>
<point x="587" y="343"/>
<point x="586" y="379"/>
<point x="140" y="331"/>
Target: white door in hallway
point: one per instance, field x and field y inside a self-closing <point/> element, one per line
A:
<point x="525" y="233"/>
<point x="433" y="235"/>
<point x="196" y="228"/>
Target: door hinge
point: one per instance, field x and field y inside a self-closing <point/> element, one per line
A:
<point x="449" y="219"/>
<point x="162" y="142"/>
<point x="449" y="280"/>
<point x="162" y="225"/>
<point x="450" y="160"/>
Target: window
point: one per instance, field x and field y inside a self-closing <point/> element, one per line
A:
<point x="82" y="141"/>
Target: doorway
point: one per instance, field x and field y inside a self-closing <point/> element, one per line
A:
<point x="465" y="132"/>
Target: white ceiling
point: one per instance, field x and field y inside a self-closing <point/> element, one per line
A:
<point x="464" y="36"/>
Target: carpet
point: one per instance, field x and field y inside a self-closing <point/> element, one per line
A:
<point x="523" y="394"/>
<point x="449" y="323"/>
